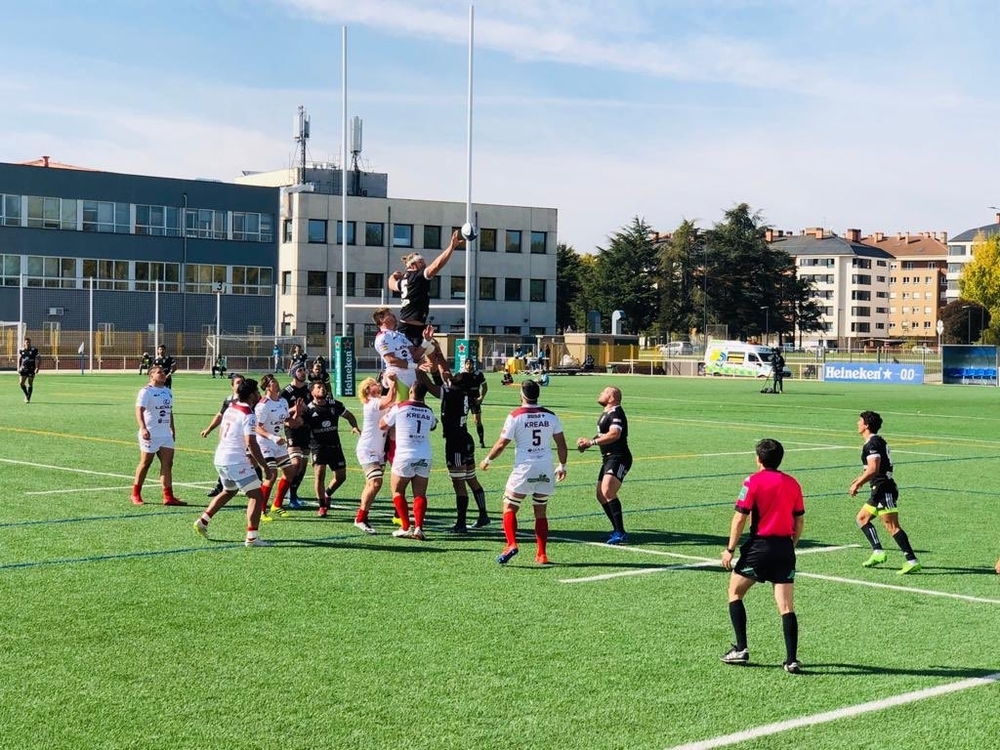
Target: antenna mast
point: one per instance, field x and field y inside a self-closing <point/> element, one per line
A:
<point x="355" y="153"/>
<point x="301" y="135"/>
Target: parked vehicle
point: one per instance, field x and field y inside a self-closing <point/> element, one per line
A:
<point x="739" y="358"/>
<point x="675" y="348"/>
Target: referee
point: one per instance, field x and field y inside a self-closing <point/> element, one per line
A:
<point x="773" y="500"/>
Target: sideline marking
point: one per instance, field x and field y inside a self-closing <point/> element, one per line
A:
<point x="839" y="713"/>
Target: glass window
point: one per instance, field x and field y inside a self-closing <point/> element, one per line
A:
<point x="538" y="243"/>
<point x="374" y="234"/>
<point x="10" y="211"/>
<point x="266" y="227"/>
<point x="317" y="231"/>
<point x="105" y="216"/>
<point x="512" y="290"/>
<point x="351" y="226"/>
<point x="512" y="330"/>
<point x="432" y="237"/>
<point x="402" y="235"/>
<point x="487" y="240"/>
<point x="513" y="241"/>
<point x="435" y="288"/>
<point x="537" y="290"/>
<point x="458" y="287"/>
<point x="168" y="274"/>
<point x="286" y="282"/>
<point x="351" y="284"/>
<point x="286" y="230"/>
<point x="51" y="213"/>
<point x="10" y="270"/>
<point x="487" y="287"/>
<point x="254" y="280"/>
<point x="315" y="335"/>
<point x="373" y="285"/>
<point x="316" y="283"/>
<point x="203" y="278"/>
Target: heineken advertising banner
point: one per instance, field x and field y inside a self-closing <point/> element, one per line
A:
<point x="465" y="348"/>
<point x="343" y="366"/>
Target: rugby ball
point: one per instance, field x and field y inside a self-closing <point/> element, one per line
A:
<point x="469" y="231"/>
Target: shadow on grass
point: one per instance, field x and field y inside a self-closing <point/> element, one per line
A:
<point x="836" y="668"/>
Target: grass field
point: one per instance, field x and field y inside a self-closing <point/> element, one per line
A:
<point x="125" y="630"/>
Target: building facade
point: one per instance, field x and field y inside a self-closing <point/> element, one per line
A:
<point x="126" y="253"/>
<point x="850" y="280"/>
<point x="511" y="266"/>
<point x="960" y="253"/>
<point x="918" y="283"/>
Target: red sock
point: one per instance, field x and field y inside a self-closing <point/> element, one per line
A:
<point x="541" y="533"/>
<point x="419" y="509"/>
<point x="136" y="490"/>
<point x="265" y="490"/>
<point x="168" y="492"/>
<point x="280" y="495"/>
<point x="402" y="510"/>
<point x="510" y="527"/>
<point x="362" y="516"/>
<point x="251" y="529"/>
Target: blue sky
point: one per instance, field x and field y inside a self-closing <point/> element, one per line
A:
<point x="879" y="115"/>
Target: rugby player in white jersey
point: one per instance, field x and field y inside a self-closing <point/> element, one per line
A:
<point x="372" y="443"/>
<point x="533" y="429"/>
<point x="155" y="415"/>
<point x="237" y="448"/>
<point x="411" y="463"/>
<point x="398" y="355"/>
<point x="272" y="414"/>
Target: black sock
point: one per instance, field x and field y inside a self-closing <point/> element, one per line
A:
<point x="480" y="498"/>
<point x="871" y="535"/>
<point x="482" y="434"/>
<point x="615" y="513"/>
<point x="903" y="541"/>
<point x="606" y="507"/>
<point x="24" y="389"/>
<point x="462" y="508"/>
<point x="738" y="614"/>
<point x="790" y="629"/>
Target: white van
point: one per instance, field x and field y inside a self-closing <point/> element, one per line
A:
<point x="740" y="359"/>
<point x="675" y="348"/>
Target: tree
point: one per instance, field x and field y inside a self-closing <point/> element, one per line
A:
<point x="681" y="261"/>
<point x="625" y="278"/>
<point x="750" y="283"/>
<point x="964" y="321"/>
<point x="569" y="287"/>
<point x="980" y="283"/>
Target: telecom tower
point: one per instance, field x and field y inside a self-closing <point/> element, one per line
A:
<point x="301" y="134"/>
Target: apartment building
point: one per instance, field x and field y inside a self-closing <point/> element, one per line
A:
<point x="917" y="282"/>
<point x="851" y="283"/>
<point x="960" y="253"/>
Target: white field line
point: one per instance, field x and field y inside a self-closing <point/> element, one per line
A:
<point x="841" y="713"/>
<point x="892" y="587"/>
<point x="75" y="490"/>
<point x="85" y="471"/>
<point x="704" y="561"/>
<point x="700" y="562"/>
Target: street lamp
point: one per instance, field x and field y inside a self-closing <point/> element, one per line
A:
<point x="968" y="321"/>
<point x="767" y="322"/>
<point x="704" y="298"/>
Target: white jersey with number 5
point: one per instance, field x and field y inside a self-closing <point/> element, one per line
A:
<point x="531" y="429"/>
